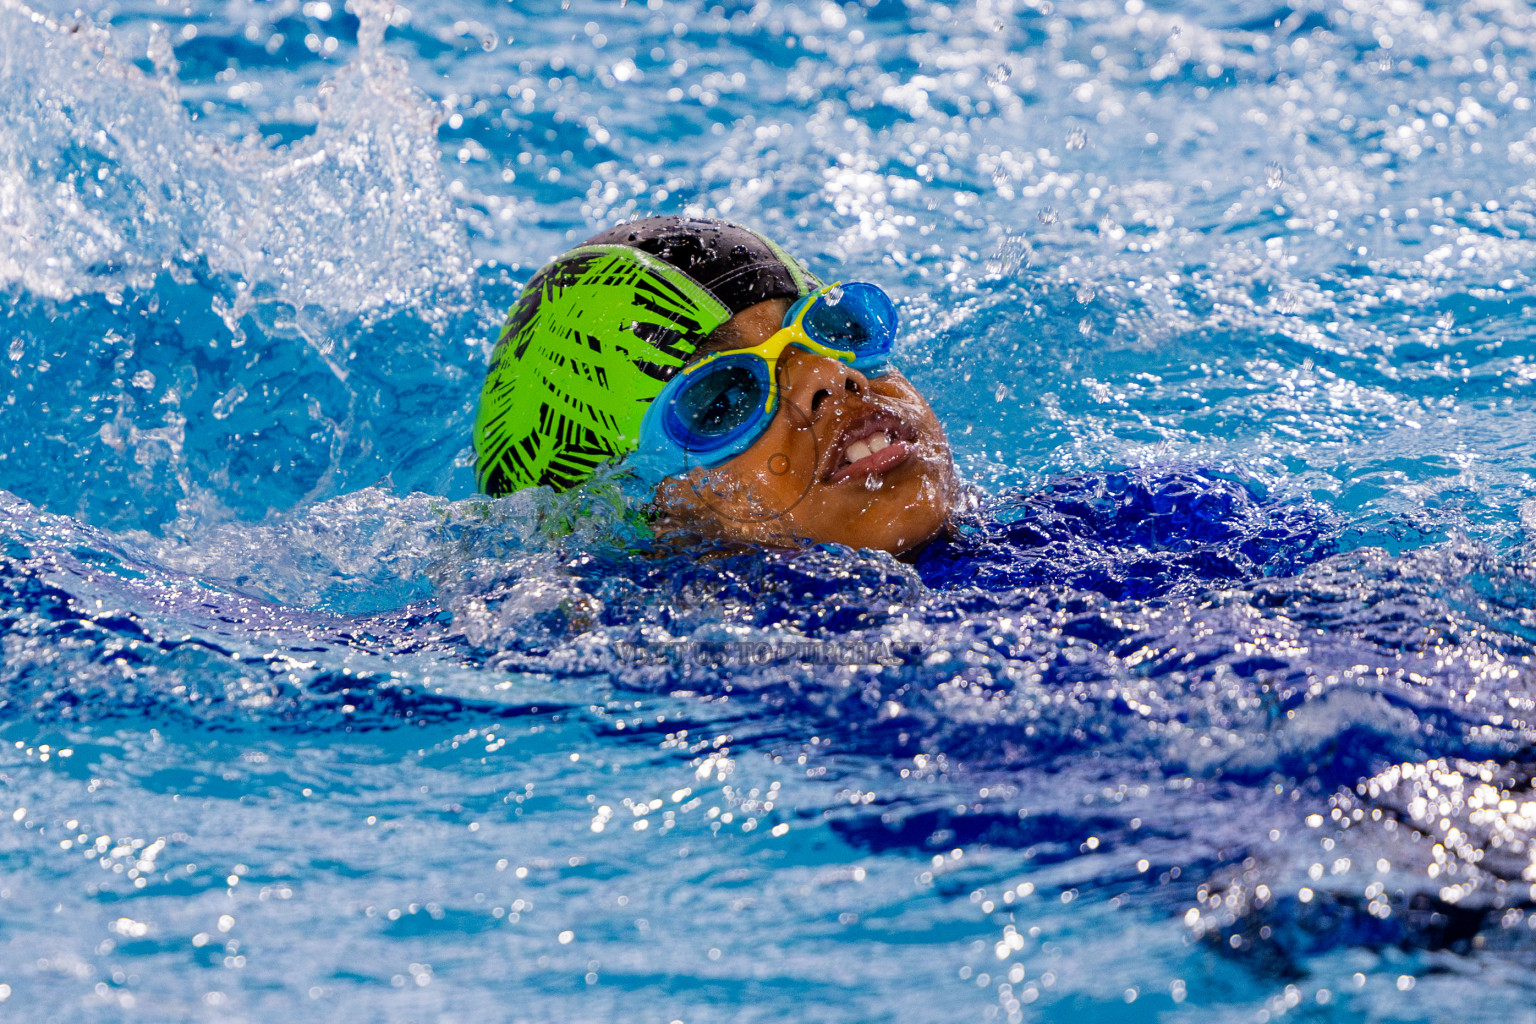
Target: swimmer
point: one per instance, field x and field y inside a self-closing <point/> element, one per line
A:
<point x="759" y="404"/>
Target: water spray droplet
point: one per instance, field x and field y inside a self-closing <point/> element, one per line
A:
<point x="160" y="52"/>
<point x="1012" y="253"/>
<point x="1274" y="175"/>
<point x="1077" y="138"/>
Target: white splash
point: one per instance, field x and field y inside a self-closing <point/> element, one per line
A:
<point x="105" y="182"/>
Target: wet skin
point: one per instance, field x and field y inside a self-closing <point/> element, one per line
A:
<point x="848" y="459"/>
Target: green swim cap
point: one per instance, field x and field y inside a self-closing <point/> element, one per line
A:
<point x="597" y="334"/>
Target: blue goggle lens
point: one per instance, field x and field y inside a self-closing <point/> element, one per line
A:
<point x="715" y="405"/>
<point x="720" y="401"/>
<point x="857" y="316"/>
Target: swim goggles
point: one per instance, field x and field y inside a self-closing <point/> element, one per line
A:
<point x="716" y="408"/>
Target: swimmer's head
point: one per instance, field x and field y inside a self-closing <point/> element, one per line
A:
<point x="811" y="437"/>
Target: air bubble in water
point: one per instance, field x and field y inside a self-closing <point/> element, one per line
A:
<point x="488" y="42"/>
<point x="1274" y="175"/>
<point x="1077" y="138"/>
<point x="1445" y="321"/>
<point x="1085" y="293"/>
<point x="999" y="75"/>
<point x="1001" y="392"/>
<point x="1047" y="215"/>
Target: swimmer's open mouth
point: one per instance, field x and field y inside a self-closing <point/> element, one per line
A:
<point x="874" y="442"/>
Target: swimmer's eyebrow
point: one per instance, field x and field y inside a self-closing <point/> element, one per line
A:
<point x="720" y="341"/>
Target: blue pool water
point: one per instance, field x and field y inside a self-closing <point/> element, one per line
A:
<point x="1221" y="708"/>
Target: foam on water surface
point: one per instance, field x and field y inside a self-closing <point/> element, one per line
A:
<point x="1218" y="706"/>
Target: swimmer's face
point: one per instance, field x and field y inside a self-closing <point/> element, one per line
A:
<point x="848" y="459"/>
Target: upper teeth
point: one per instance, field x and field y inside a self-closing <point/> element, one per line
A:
<point x="866" y="446"/>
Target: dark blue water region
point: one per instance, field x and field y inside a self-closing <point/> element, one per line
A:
<point x="1155" y="693"/>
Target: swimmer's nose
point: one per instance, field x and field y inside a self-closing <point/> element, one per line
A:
<point x="807" y="380"/>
